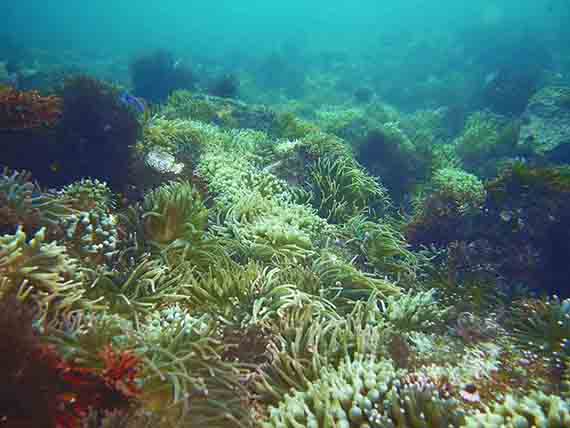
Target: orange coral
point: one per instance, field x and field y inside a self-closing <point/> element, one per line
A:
<point x="518" y="373"/>
<point x="41" y="389"/>
<point x="121" y="370"/>
<point x="88" y="389"/>
<point x="24" y="110"/>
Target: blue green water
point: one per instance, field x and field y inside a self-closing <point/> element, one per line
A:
<point x="209" y="27"/>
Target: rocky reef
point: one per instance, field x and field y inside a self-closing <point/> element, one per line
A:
<point x="207" y="262"/>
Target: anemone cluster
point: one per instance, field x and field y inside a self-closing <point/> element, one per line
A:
<point x="537" y="410"/>
<point x="23" y="203"/>
<point x="41" y="273"/>
<point x="273" y="282"/>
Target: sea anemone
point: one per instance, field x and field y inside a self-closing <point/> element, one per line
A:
<point x="88" y="194"/>
<point x="536" y="410"/>
<point x="174" y="212"/>
<point x="342" y="189"/>
<point x="364" y="391"/>
<point x="542" y="325"/>
<point x="23" y="203"/>
<point x="39" y="272"/>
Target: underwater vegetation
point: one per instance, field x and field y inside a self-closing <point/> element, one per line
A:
<point x="517" y="225"/>
<point x="90" y="135"/>
<point x="173" y="256"/>
<point x="24" y="110"/>
<point x="486" y="141"/>
<point x="156" y="75"/>
<point x="240" y="297"/>
<point x="388" y="153"/>
<point x="97" y="130"/>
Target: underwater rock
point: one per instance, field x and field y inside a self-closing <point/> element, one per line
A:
<point x="508" y="90"/>
<point x="546" y="124"/>
<point x="225" y="112"/>
<point x="521" y="233"/>
<point x="387" y="152"/>
<point x="156" y="75"/>
<point x="163" y="163"/>
<point x="155" y="167"/>
<point x="96" y="132"/>
<point x="87" y="132"/>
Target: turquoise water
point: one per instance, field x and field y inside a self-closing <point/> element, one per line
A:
<point x="210" y="27"/>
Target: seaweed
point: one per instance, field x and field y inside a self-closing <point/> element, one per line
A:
<point x="156" y="75"/>
<point x="95" y="133"/>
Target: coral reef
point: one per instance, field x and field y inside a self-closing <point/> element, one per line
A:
<point x="91" y="137"/>
<point x="508" y="228"/>
<point x="450" y="195"/>
<point x="87" y="194"/>
<point x="30" y="385"/>
<point x="486" y="142"/>
<point x="225" y="112"/>
<point x="23" y="110"/>
<point x="91" y="236"/>
<point x="43" y="389"/>
<point x="326" y="259"/>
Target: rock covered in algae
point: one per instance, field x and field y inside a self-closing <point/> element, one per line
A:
<point x="546" y="129"/>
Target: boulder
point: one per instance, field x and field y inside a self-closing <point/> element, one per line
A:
<point x="545" y="130"/>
